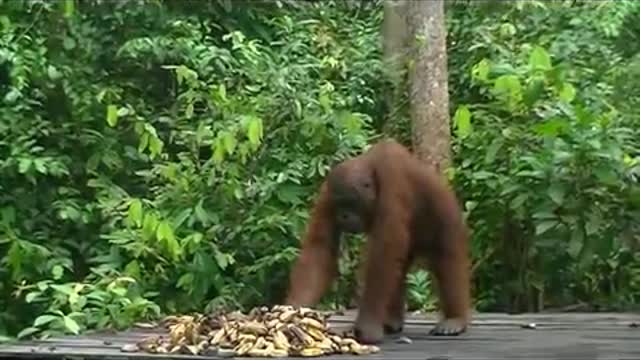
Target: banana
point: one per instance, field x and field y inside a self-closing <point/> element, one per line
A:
<point x="287" y="315"/>
<point x="311" y="352"/>
<point x="177" y="332"/>
<point x="242" y="348"/>
<point x="348" y="342"/>
<point x="217" y="338"/>
<point x="305" y="338"/>
<point x="272" y="324"/>
<point x="247" y="337"/>
<point x="280" y="341"/>
<point x="255" y="328"/>
<point x="192" y="349"/>
<point x="277" y="353"/>
<point x="313" y="323"/>
<point x="326" y="345"/>
<point x="364" y="349"/>
<point x="281" y="331"/>
<point x="316" y="334"/>
<point x="260" y="343"/>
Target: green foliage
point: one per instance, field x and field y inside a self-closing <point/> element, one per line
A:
<point x="549" y="171"/>
<point x="176" y="155"/>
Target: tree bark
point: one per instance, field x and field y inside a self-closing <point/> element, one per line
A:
<point x="394" y="35"/>
<point x="428" y="93"/>
<point x="394" y="44"/>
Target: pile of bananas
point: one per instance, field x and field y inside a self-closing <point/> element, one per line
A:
<point x="280" y="331"/>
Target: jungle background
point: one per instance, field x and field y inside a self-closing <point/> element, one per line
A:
<point x="161" y="156"/>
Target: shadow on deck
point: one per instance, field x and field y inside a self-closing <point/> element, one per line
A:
<point x="577" y="336"/>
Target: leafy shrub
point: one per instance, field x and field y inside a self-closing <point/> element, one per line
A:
<point x="555" y="184"/>
<point x="183" y="157"/>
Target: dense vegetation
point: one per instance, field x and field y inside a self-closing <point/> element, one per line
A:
<point x="161" y="156"/>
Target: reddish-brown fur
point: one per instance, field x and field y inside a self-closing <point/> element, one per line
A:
<point x="414" y="214"/>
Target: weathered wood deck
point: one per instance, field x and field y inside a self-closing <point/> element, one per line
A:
<point x="492" y="336"/>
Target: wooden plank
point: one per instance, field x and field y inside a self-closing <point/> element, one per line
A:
<point x="492" y="336"/>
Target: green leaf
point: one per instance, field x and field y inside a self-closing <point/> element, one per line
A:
<point x="165" y="234"/>
<point x="223" y="260"/>
<point x="592" y="226"/>
<point x="144" y="142"/>
<point x="69" y="8"/>
<point x="64" y="289"/>
<point x="12" y="96"/>
<point x="481" y="175"/>
<point x="149" y="225"/>
<point x="551" y="128"/>
<point x="24" y="165"/>
<point x="181" y="218"/>
<point x="186" y="282"/>
<point x="71" y="325"/>
<point x="462" y="120"/>
<point x="533" y="92"/>
<point x="351" y="122"/>
<point x="189" y="110"/>
<point x="325" y="102"/>
<point x="201" y="214"/>
<point x="31" y="296"/>
<point x="507" y="29"/>
<point x="40" y="166"/>
<point x="539" y="59"/>
<point x="164" y="231"/>
<point x="43" y="285"/>
<point x="44" y="319"/>
<point x="518" y="201"/>
<point x="222" y="92"/>
<point x="155" y="146"/>
<point x="8" y="216"/>
<point x="508" y="86"/>
<point x="57" y="271"/>
<point x="112" y="115"/>
<point x="298" y="108"/>
<point x="5" y="22"/>
<point x="254" y="131"/>
<point x="119" y="291"/>
<point x="567" y="93"/>
<point x="556" y="192"/>
<point x="480" y="71"/>
<point x="133" y="269"/>
<point x="53" y="73"/>
<point x="202" y="132"/>
<point x="545" y="226"/>
<point x="229" y="141"/>
<point x="68" y="43"/>
<point x="492" y="150"/>
<point x="575" y="243"/>
<point x="5" y="339"/>
<point x="291" y="193"/>
<point x="135" y="212"/>
<point x="27" y="332"/>
<point x="218" y="151"/>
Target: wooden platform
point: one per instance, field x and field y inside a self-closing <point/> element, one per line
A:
<point x="492" y="337"/>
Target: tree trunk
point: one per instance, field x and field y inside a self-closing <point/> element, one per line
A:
<point x="394" y="37"/>
<point x="394" y="43"/>
<point x="428" y="93"/>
